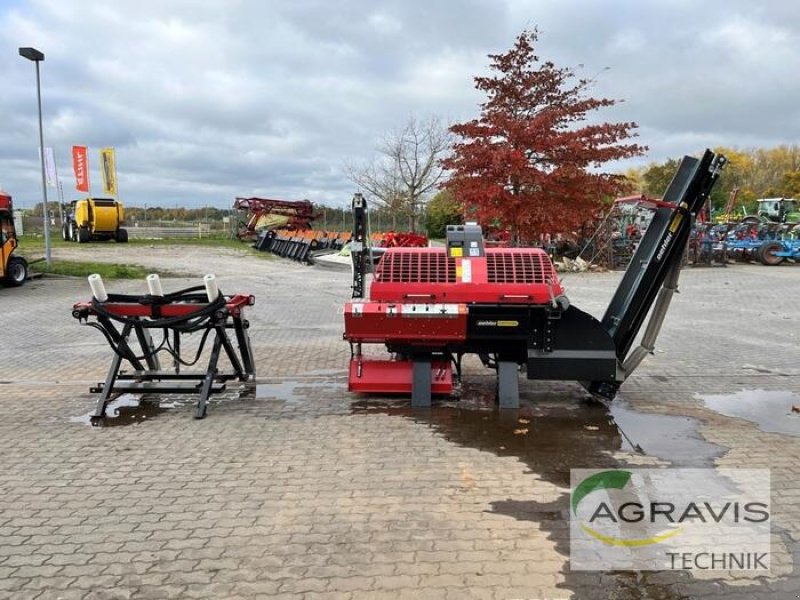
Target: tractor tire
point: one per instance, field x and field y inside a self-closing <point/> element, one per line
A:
<point x="73" y="234"/>
<point x="751" y="220"/>
<point x="122" y="235"/>
<point x="766" y="253"/>
<point x="65" y="232"/>
<point x="16" y="271"/>
<point x="83" y="235"/>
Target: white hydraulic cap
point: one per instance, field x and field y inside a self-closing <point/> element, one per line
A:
<point x="154" y="285"/>
<point x="98" y="289"/>
<point x="211" y="287"/>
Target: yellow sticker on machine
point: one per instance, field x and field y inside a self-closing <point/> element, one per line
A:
<point x="676" y="221"/>
<point x="456" y="252"/>
<point x="508" y="323"/>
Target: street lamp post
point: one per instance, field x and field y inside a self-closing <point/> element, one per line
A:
<point x="36" y="56"/>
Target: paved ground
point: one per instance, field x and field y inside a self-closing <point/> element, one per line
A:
<point x="303" y="490"/>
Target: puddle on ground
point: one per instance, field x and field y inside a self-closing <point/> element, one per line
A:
<point x="557" y="434"/>
<point x="552" y="433"/>
<point x="770" y="411"/>
<point x="549" y="439"/>
<point x="675" y="439"/>
<point x="128" y="409"/>
<point x="296" y="391"/>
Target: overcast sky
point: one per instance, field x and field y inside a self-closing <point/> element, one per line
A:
<point x="205" y="101"/>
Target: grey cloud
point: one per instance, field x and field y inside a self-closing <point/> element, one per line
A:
<point x="206" y="101"/>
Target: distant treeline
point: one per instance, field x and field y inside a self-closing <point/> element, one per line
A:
<point x="158" y="213"/>
<point x="756" y="172"/>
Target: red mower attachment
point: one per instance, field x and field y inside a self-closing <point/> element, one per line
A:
<point x="266" y="213"/>
<point x="199" y="310"/>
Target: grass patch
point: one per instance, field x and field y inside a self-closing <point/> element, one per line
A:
<point x="31" y="243"/>
<point x="32" y="247"/>
<point x="84" y="269"/>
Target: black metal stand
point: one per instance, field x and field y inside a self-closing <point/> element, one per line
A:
<point x="148" y="377"/>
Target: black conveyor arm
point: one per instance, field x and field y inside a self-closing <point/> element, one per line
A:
<point x="656" y="262"/>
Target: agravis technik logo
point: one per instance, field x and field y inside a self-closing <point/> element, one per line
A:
<point x="606" y="480"/>
<point x="670" y="519"/>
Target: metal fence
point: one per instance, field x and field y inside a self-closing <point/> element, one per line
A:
<point x="34" y="226"/>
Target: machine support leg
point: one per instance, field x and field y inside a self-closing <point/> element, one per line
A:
<point x="176" y="347"/>
<point x="421" y="382"/>
<point x="121" y="341"/>
<point x="507" y="384"/>
<point x="244" y="346"/>
<point x="111" y="376"/>
<point x="211" y="374"/>
<point x="222" y="336"/>
<point x="146" y="343"/>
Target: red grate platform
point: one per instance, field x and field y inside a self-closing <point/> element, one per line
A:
<point x="524" y="265"/>
<point x="417" y="265"/>
<point x="503" y="275"/>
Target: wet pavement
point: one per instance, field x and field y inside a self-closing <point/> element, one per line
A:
<point x="129" y="409"/>
<point x="552" y="435"/>
<point x="294" y="391"/>
<point x="298" y="489"/>
<point x="770" y="410"/>
<point x="674" y="439"/>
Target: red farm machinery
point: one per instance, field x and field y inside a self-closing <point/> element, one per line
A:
<point x="268" y="214"/>
<point x="431" y="306"/>
<point x="296" y="240"/>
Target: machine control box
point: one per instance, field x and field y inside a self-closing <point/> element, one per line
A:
<point x="465" y="241"/>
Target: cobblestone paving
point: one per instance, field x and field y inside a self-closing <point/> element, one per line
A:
<point x="300" y="490"/>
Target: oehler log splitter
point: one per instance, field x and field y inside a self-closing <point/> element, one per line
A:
<point x="431" y="306"/>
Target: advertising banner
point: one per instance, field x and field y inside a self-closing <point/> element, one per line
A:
<point x="108" y="164"/>
<point x="80" y="164"/>
<point x="50" y="167"/>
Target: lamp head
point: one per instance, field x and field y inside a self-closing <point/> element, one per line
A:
<point x="31" y="54"/>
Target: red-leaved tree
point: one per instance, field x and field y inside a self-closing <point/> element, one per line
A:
<point x="530" y="163"/>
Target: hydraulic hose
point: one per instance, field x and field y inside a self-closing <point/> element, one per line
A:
<point x="190" y="322"/>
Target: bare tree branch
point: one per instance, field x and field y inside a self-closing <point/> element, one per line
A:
<point x="407" y="168"/>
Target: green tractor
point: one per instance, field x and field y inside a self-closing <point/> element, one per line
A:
<point x="779" y="210"/>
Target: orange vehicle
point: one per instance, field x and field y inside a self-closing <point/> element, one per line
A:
<point x="13" y="269"/>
